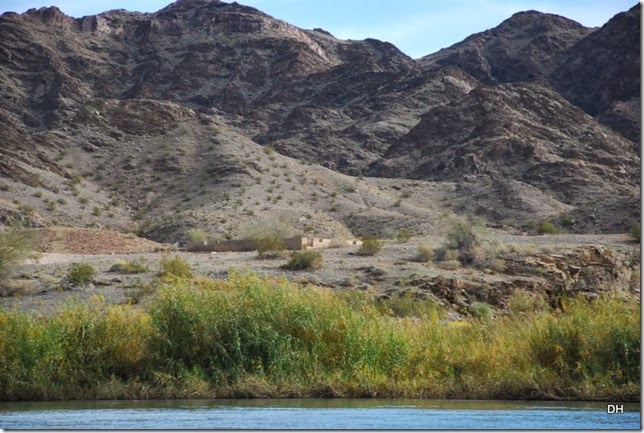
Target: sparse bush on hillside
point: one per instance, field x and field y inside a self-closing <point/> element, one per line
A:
<point x="16" y="246"/>
<point x="80" y="274"/>
<point x="425" y="253"/>
<point x="635" y="232"/>
<point x="403" y="235"/>
<point x="547" y="228"/>
<point x="197" y="235"/>
<point x="278" y="227"/>
<point x="370" y="246"/>
<point x="304" y="260"/>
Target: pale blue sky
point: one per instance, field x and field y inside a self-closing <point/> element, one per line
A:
<point x="417" y="27"/>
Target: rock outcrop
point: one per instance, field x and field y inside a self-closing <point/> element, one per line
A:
<point x="556" y="278"/>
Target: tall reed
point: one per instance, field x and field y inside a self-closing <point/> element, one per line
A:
<point x="252" y="336"/>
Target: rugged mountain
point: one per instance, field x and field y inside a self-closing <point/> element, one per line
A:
<point x="601" y="74"/>
<point x="211" y="114"/>
<point x="595" y="69"/>
<point x="523" y="134"/>
<point x="523" y="47"/>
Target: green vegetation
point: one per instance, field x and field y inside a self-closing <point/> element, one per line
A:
<point x="463" y="242"/>
<point x="304" y="260"/>
<point x="129" y="267"/>
<point x="370" y="246"/>
<point x="175" y="267"/>
<point x="403" y="235"/>
<point x="269" y="235"/>
<point x="16" y="246"/>
<point x="270" y="246"/>
<point x="525" y="302"/>
<point x="635" y="232"/>
<point x="548" y="228"/>
<point x="252" y="336"/>
<point x="481" y="311"/>
<point x="197" y="235"/>
<point x="409" y="304"/>
<point x="80" y="274"/>
<point x="425" y="253"/>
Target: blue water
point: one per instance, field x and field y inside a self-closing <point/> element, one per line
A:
<point x="315" y="414"/>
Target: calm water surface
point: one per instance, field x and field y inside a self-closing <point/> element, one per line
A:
<point x="315" y="414"/>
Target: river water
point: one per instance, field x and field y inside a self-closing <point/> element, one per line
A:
<point x="315" y="414"/>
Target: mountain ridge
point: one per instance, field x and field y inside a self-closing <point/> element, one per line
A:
<point x="105" y="88"/>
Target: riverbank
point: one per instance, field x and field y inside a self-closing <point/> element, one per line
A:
<point x="262" y="337"/>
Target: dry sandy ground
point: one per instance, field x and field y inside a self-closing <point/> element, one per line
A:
<point x="342" y="268"/>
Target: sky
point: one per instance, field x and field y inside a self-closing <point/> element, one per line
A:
<point x="417" y="27"/>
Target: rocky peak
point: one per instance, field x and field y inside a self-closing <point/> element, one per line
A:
<point x="536" y="21"/>
<point x="523" y="47"/>
<point x="601" y="73"/>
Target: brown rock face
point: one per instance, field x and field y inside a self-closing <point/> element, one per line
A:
<point x="601" y="74"/>
<point x="139" y="96"/>
<point x="523" y="141"/>
<point x="587" y="271"/>
<point x="523" y="47"/>
<point x="595" y="69"/>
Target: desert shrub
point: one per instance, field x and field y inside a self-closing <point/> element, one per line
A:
<point x="197" y="235"/>
<point x="80" y="274"/>
<point x="350" y="188"/>
<point x="486" y="256"/>
<point x="546" y="227"/>
<point x="463" y="237"/>
<point x="522" y="301"/>
<point x="269" y="245"/>
<point x="304" y="260"/>
<point x="135" y="294"/>
<point x="481" y="311"/>
<point x="129" y="267"/>
<point x="635" y="232"/>
<point x="269" y="234"/>
<point x="403" y="235"/>
<point x="409" y="304"/>
<point x="446" y="255"/>
<point x="370" y="246"/>
<point x="15" y="288"/>
<point x="16" y="246"/>
<point x="463" y="243"/>
<point x="174" y="267"/>
<point x="425" y="253"/>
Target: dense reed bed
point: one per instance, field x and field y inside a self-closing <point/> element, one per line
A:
<point x="251" y="336"/>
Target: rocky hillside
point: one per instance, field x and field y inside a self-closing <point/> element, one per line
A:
<point x="209" y="114"/>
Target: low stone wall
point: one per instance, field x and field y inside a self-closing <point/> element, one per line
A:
<point x="296" y="243"/>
